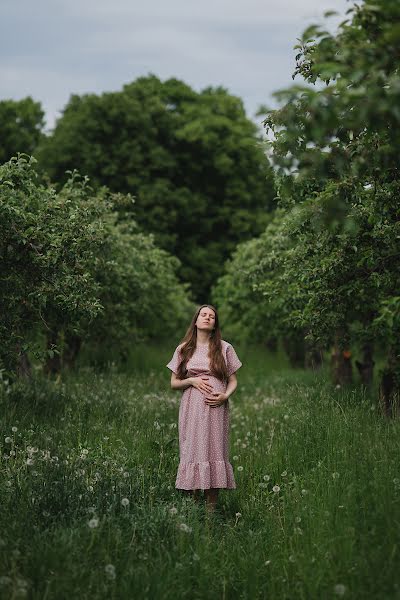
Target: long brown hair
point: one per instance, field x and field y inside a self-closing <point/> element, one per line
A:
<point x="217" y="363"/>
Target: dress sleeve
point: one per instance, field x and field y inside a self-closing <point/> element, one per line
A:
<point x="175" y="360"/>
<point x="232" y="360"/>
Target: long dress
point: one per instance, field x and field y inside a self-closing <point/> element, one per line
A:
<point x="204" y="429"/>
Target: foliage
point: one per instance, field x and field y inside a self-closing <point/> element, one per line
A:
<point x="21" y="127"/>
<point x="193" y="161"/>
<point x="72" y="267"/>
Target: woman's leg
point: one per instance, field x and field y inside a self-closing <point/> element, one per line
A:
<point x="211" y="498"/>
<point x="195" y="493"/>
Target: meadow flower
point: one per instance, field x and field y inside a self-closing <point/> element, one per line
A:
<point x="84" y="452"/>
<point x="286" y="417"/>
<point x="30" y="461"/>
<point x="110" y="571"/>
<point x="304" y="492"/>
<point x="173" y="510"/>
<point x="335" y="475"/>
<point x="266" y="477"/>
<point x="93" y="523"/>
<point x="8" y="440"/>
<point x="235" y="458"/>
<point x="267" y="562"/>
<point x="238" y="515"/>
<point x="284" y="473"/>
<point x="14" y="429"/>
<point x="184" y="527"/>
<point x="125" y="502"/>
<point x="240" y="468"/>
<point x="276" y="489"/>
<point x="339" y="589"/>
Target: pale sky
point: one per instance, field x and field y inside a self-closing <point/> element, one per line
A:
<point x="50" y="49"/>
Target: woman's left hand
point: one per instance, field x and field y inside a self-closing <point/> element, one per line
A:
<point x="216" y="399"/>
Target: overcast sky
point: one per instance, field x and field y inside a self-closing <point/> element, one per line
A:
<point x="53" y="48"/>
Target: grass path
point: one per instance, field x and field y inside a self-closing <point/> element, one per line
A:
<point x="89" y="507"/>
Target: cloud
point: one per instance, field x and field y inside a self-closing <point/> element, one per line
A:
<point x="65" y="46"/>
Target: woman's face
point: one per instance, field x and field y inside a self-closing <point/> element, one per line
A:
<point x="206" y="319"/>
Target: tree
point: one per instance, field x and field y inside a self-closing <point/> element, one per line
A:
<point x="193" y="161"/>
<point x="21" y="127"/>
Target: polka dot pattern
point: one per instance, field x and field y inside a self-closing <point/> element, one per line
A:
<point x="203" y="429"/>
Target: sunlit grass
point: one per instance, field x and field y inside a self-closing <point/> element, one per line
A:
<point x="90" y="509"/>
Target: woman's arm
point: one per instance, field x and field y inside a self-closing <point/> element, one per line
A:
<point x="180" y="384"/>
<point x="232" y="385"/>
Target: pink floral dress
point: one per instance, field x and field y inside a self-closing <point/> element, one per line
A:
<point x="204" y="429"/>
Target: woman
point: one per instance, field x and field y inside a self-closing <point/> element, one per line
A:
<point x="204" y="365"/>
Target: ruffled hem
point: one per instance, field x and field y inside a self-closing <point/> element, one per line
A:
<point x="205" y="475"/>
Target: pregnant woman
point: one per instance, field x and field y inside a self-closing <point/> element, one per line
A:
<point x="204" y="365"/>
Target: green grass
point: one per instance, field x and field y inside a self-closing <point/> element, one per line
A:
<point x="332" y="529"/>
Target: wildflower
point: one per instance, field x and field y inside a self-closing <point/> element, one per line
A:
<point x="125" y="502"/>
<point x="184" y="527"/>
<point x="238" y="515"/>
<point x="267" y="562"/>
<point x="14" y="429"/>
<point x="84" y="452"/>
<point x="240" y="468"/>
<point x="286" y="417"/>
<point x="235" y="458"/>
<point x="8" y="440"/>
<point x="298" y="519"/>
<point x="110" y="571"/>
<point x="30" y="461"/>
<point x="126" y="474"/>
<point x="284" y="473"/>
<point x="93" y="523"/>
<point x="173" y="510"/>
<point x="339" y="589"/>
<point x="335" y="475"/>
<point x="304" y="492"/>
<point x="266" y="477"/>
<point x="276" y="489"/>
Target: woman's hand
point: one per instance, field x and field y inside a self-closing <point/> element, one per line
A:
<point x="201" y="384"/>
<point x="216" y="399"/>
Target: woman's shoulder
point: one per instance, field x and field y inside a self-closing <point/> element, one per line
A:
<point x="225" y="344"/>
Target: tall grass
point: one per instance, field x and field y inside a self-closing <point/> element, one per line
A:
<point x="90" y="509"/>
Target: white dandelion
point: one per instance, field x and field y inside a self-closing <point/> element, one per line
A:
<point x="125" y="502"/>
<point x="276" y="489"/>
<point x="93" y="523"/>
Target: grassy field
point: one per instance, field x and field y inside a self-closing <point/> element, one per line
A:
<point x="89" y="507"/>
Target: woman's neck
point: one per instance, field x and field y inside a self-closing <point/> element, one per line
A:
<point x="203" y="338"/>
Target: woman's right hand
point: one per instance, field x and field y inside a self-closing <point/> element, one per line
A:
<point x="201" y="384"/>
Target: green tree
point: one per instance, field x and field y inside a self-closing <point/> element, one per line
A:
<point x="74" y="272"/>
<point x="21" y="127"/>
<point x="193" y="161"/>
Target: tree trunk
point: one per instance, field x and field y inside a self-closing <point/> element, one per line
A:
<point x="341" y="368"/>
<point x="294" y="348"/>
<point x="366" y="367"/>
<point x="271" y="344"/>
<point x="313" y="356"/>
<point x="53" y="363"/>
<point x="73" y="345"/>
<point x="23" y="366"/>
<point x="389" y="389"/>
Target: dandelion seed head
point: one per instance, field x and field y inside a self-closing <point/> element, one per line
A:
<point x="276" y="488"/>
<point x="93" y="523"/>
<point x="110" y="571"/>
<point x="339" y="589"/>
<point x="240" y="468"/>
<point x="125" y="502"/>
